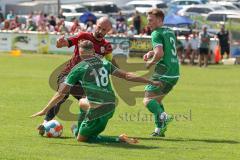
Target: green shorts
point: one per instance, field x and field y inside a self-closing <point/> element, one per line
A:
<point x="161" y="90"/>
<point x="93" y="127"/>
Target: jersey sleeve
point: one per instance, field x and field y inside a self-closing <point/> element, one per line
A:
<point x="157" y="39"/>
<point x="74" y="40"/>
<point x="111" y="68"/>
<point x="108" y="51"/>
<point x="74" y="76"/>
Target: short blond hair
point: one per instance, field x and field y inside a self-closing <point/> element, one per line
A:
<point x="86" y="45"/>
<point x="156" y="12"/>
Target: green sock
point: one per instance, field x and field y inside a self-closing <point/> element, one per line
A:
<point x="103" y="139"/>
<point x="81" y="117"/>
<point x="155" y="108"/>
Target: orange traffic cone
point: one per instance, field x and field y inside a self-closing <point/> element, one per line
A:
<point x="217" y="55"/>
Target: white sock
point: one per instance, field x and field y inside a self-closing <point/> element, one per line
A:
<point x="157" y="130"/>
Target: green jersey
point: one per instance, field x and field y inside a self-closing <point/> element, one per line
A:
<point x="168" y="66"/>
<point x="93" y="74"/>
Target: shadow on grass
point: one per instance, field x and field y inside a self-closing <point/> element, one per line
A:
<point x="65" y="137"/>
<point x="191" y="140"/>
<point x="128" y="146"/>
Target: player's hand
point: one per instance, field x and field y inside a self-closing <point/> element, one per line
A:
<point x="41" y="113"/>
<point x="148" y="55"/>
<point x="61" y="41"/>
<point x="145" y="57"/>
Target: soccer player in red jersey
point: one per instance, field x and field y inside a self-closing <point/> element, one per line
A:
<point x="102" y="48"/>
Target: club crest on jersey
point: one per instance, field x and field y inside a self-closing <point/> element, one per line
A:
<point x="102" y="49"/>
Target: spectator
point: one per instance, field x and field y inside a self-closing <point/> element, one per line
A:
<point x="31" y="15"/>
<point x="75" y="27"/>
<point x="146" y="31"/>
<point x="1" y="18"/>
<point x="120" y="17"/>
<point x="6" y="25"/>
<point x="90" y="26"/>
<point x="58" y="25"/>
<point x="131" y="32"/>
<point x="15" y="24"/>
<point x="40" y="19"/>
<point x="31" y="26"/>
<point x="63" y="28"/>
<point x="52" y="21"/>
<point x="137" y="22"/>
<point x="223" y="37"/>
<point x="187" y="48"/>
<point x="180" y="48"/>
<point x="10" y="15"/>
<point x="121" y="25"/>
<point x="204" y="40"/>
<point x="61" y="16"/>
<point x="194" y="45"/>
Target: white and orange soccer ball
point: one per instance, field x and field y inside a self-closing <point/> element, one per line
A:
<point x="53" y="128"/>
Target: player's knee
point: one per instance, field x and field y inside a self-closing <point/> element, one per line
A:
<point x="84" y="104"/>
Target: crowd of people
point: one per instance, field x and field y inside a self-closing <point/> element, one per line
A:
<point x="50" y="23"/>
<point x="194" y="46"/>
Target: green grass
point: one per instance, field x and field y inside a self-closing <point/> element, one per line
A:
<point x="210" y="133"/>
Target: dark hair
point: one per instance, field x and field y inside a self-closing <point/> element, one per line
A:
<point x="156" y="12"/>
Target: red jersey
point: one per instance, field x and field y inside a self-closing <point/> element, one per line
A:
<point x="101" y="48"/>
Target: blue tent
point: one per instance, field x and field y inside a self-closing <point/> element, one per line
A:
<point x="175" y="20"/>
<point x="88" y="16"/>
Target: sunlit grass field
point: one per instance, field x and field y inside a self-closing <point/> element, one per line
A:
<point x="205" y="105"/>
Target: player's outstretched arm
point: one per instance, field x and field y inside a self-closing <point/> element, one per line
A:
<point x="134" y="78"/>
<point x="55" y="99"/>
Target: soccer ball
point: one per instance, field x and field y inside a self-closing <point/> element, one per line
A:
<point x="53" y="128"/>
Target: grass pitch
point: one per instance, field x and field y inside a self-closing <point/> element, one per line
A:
<point x="205" y="104"/>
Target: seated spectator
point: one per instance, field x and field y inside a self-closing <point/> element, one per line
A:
<point x="132" y="31"/>
<point x="52" y="21"/>
<point x="31" y="26"/>
<point x="75" y="27"/>
<point x="63" y="28"/>
<point x="121" y="27"/>
<point x="15" y="24"/>
<point x="42" y="27"/>
<point x="6" y="25"/>
<point x="146" y="31"/>
<point x="10" y="15"/>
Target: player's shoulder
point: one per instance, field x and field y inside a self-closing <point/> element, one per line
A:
<point x="85" y="35"/>
<point x="80" y="66"/>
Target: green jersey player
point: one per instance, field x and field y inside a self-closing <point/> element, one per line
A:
<point x="93" y="74"/>
<point x="164" y="57"/>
